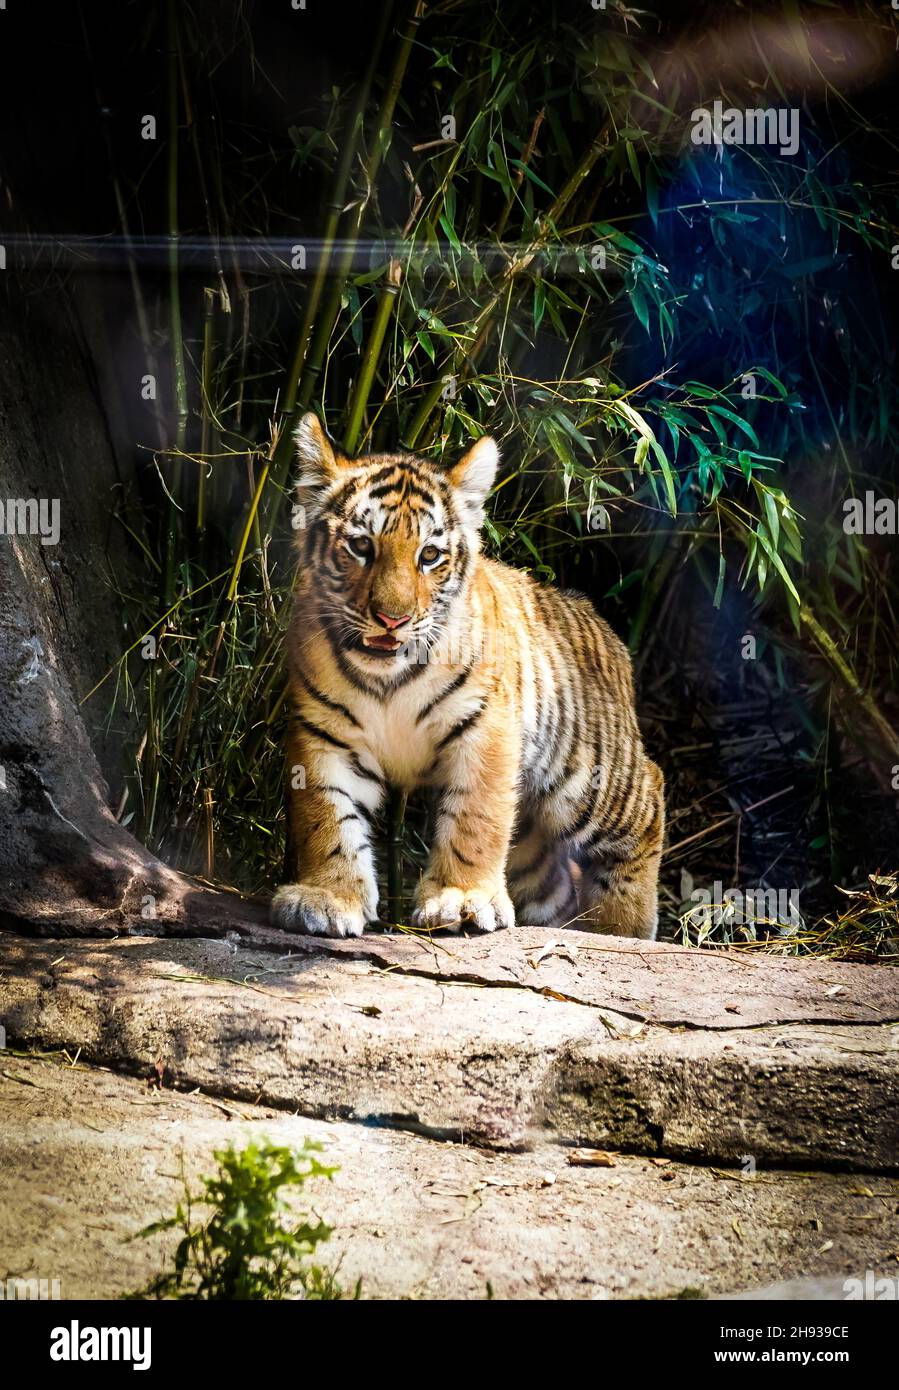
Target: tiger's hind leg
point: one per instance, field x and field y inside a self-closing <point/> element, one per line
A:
<point x="542" y="878"/>
<point x="620" y="871"/>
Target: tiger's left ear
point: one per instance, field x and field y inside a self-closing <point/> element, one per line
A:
<point x="473" y="476"/>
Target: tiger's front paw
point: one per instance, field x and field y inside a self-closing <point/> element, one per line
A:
<point x="483" y="909"/>
<point x="302" y="908"/>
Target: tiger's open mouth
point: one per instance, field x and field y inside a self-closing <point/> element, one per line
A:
<point x="385" y="644"/>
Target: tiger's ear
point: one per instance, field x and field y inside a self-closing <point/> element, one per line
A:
<point x="472" y="478"/>
<point x="319" y="464"/>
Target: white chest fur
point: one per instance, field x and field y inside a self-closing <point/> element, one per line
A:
<point x="397" y="733"/>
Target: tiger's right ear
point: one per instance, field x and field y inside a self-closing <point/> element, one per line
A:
<point x="319" y="464"/>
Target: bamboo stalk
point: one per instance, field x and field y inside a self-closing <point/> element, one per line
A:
<point x="396" y="816"/>
<point x="328" y="318"/>
<point x="527" y="155"/>
<point x="383" y="313"/>
<point x="348" y="144"/>
<point x="210" y="832"/>
<point x="153" y="751"/>
<point x="231" y="592"/>
<point x="205" y="410"/>
<point x="878" y="721"/>
<point x="313" y="355"/>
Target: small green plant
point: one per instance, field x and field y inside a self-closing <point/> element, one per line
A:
<point x="248" y="1247"/>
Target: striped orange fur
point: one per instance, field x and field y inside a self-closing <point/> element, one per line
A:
<point x="417" y="662"/>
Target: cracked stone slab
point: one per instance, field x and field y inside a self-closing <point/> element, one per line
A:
<point x="338" y="1033"/>
<point x="653" y="981"/>
<point x="88" y="1158"/>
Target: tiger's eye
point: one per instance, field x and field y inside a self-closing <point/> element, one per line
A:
<point x="429" y="554"/>
<point x="361" y="547"/>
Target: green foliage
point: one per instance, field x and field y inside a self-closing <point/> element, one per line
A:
<point x="248" y="1246"/>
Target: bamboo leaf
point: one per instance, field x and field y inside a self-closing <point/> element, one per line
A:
<point x="719" y="587"/>
<point x="778" y="564"/>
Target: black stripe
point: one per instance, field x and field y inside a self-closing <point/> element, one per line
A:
<point x="414" y="490"/>
<point x="334" y="504"/>
<point x="378" y="687"/>
<point x="523" y="871"/>
<point x="364" y="771"/>
<point x="552" y="728"/>
<point x="385" y="472"/>
<point x="598" y="834"/>
<point x="580" y="824"/>
<point x="548" y="883"/>
<point x="609" y="858"/>
<point x="559" y="780"/>
<point x="325" y="700"/>
<point x="346" y="668"/>
<point x="361" y="811"/>
<point x="322" y="733"/>
<point x="455" y="684"/>
<point x="404" y="487"/>
<point x="460" y="728"/>
<point x="525" y="905"/>
<point x="461" y="857"/>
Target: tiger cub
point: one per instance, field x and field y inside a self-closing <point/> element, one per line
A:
<point x="416" y="662"/>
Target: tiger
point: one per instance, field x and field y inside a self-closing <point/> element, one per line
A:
<point x="415" y="661"/>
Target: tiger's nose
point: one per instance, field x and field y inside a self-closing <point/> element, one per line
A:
<point x="391" y="620"/>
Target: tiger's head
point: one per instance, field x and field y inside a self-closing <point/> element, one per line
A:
<point x="389" y="544"/>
